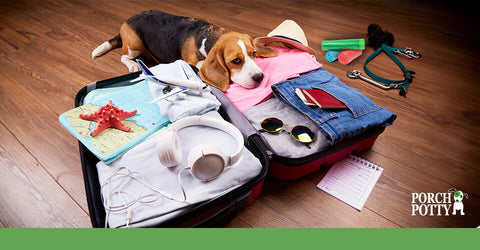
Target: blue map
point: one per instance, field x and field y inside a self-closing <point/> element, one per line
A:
<point x="112" y="143"/>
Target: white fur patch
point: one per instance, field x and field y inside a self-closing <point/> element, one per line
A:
<point x="128" y="60"/>
<point x="244" y="77"/>
<point x="202" y="49"/>
<point x="102" y="49"/>
<point x="130" y="63"/>
<point x="199" y="64"/>
<point x="133" y="53"/>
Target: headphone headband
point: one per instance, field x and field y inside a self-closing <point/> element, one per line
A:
<point x="215" y="123"/>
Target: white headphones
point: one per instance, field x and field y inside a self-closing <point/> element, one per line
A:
<point x="206" y="161"/>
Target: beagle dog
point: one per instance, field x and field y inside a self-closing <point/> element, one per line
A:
<point x="220" y="55"/>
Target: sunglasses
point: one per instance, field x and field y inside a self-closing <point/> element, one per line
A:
<point x="300" y="133"/>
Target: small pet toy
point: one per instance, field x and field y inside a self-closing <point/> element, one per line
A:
<point x="382" y="41"/>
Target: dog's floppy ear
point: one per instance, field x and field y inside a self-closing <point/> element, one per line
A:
<point x="264" y="51"/>
<point x="214" y="71"/>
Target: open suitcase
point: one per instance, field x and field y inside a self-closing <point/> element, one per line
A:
<point x="215" y="212"/>
<point x="211" y="213"/>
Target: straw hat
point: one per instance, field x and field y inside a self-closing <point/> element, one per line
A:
<point x="288" y="32"/>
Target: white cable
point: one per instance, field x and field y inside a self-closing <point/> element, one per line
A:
<point x="129" y="216"/>
<point x="126" y="198"/>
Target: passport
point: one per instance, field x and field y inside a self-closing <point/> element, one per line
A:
<point x="321" y="99"/>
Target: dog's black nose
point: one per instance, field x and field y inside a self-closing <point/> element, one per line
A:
<point x="258" y="77"/>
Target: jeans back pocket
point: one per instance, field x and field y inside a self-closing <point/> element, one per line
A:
<point x="356" y="102"/>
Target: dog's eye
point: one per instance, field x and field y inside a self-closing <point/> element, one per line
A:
<point x="254" y="55"/>
<point x="236" y="61"/>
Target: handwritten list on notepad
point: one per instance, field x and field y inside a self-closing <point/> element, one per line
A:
<point x="351" y="180"/>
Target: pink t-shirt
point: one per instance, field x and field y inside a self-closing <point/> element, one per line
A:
<point x="288" y="64"/>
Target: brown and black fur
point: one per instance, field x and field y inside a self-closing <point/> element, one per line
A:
<point x="166" y="38"/>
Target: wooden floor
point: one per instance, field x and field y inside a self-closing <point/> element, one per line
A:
<point x="434" y="145"/>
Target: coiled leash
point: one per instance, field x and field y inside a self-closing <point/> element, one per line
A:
<point x="387" y="83"/>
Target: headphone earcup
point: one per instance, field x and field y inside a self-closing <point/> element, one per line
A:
<point x="168" y="149"/>
<point x="206" y="161"/>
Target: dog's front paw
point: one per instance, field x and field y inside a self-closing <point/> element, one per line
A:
<point x="133" y="67"/>
<point x="131" y="64"/>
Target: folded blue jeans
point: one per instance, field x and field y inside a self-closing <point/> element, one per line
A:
<point x="361" y="113"/>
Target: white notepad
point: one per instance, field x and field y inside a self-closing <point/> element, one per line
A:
<point x="351" y="180"/>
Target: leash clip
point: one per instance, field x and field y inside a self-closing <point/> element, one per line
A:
<point x="356" y="74"/>
<point x="408" y="52"/>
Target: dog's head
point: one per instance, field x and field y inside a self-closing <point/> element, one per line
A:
<point x="458" y="195"/>
<point x="232" y="58"/>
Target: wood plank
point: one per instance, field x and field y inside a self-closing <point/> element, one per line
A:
<point x="34" y="198"/>
<point x="300" y="204"/>
<point x="392" y="197"/>
<point x="37" y="127"/>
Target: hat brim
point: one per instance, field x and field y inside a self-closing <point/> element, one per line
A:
<point x="267" y="39"/>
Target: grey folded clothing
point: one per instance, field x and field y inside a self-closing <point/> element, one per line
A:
<point x="282" y="144"/>
<point x="128" y="183"/>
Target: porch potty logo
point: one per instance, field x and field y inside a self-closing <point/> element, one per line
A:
<point x="438" y="204"/>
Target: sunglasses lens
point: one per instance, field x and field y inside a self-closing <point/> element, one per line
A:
<point x="303" y="134"/>
<point x="272" y="125"/>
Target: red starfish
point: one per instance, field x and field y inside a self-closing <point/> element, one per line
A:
<point x="108" y="116"/>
